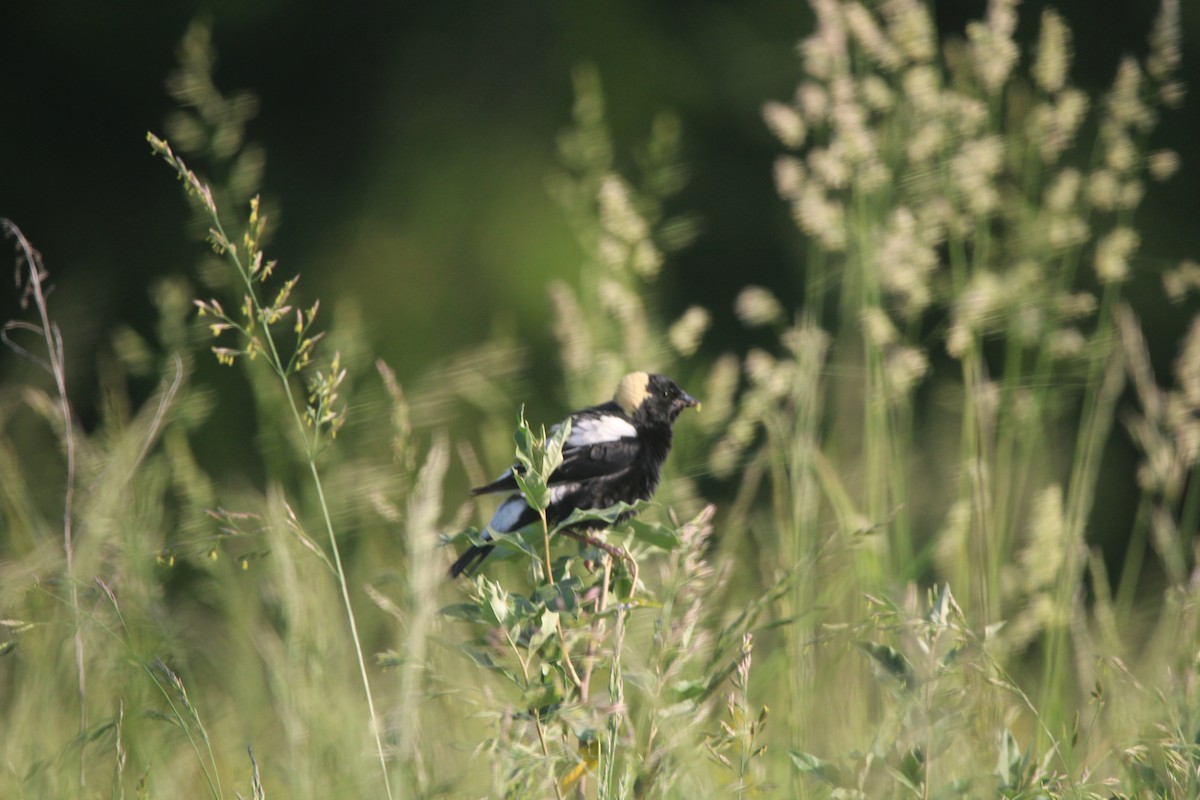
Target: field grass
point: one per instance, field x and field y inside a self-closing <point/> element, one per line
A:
<point x="869" y="572"/>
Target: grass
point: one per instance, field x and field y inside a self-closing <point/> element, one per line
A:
<point x="896" y="593"/>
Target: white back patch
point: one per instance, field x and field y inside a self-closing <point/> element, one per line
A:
<point x="598" y="430"/>
<point x="631" y="391"/>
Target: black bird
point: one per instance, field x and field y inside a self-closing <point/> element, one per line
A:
<point x="613" y="453"/>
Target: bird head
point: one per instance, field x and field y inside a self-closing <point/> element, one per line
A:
<point x="652" y="399"/>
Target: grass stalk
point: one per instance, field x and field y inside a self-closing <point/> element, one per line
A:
<point x="55" y="364"/>
<point x="257" y="315"/>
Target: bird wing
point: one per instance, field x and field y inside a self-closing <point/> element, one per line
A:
<point x="505" y="483"/>
<point x="601" y="442"/>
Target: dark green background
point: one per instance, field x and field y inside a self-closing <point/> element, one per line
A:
<point x="408" y="145"/>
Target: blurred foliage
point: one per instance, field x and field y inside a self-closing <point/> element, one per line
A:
<point x="933" y="356"/>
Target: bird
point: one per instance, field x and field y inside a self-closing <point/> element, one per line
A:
<point x="613" y="453"/>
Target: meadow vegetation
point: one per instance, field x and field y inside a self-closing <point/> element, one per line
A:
<point x="868" y="573"/>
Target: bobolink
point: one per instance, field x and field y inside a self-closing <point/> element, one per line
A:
<point x="613" y="453"/>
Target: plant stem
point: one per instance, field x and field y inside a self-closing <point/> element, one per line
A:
<point x="358" y="651"/>
<point x="310" y="449"/>
<point x="546" y="542"/>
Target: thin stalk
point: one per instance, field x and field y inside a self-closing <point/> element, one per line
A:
<point x="310" y="448"/>
<point x="589" y="653"/>
<point x="606" y="783"/>
<point x="1106" y="377"/>
<point x="1007" y="469"/>
<point x="976" y="455"/>
<point x="1135" y="554"/>
<point x="358" y="650"/>
<point x="537" y="717"/>
<point x="1189" y="512"/>
<point x="876" y="429"/>
<point x="546" y="543"/>
<point x="211" y="775"/>
<point x="541" y="732"/>
<point x="562" y="637"/>
<point x="54" y="352"/>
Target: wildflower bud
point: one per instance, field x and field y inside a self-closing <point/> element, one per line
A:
<point x="813" y="102"/>
<point x="878" y="328"/>
<point x="870" y="38"/>
<point x="785" y="124"/>
<point x="756" y="307"/>
<point x="904" y="367"/>
<point x="1112" y="254"/>
<point x="1162" y="164"/>
<point x="1063" y="190"/>
<point x="1178" y="282"/>
<point x="1103" y="190"/>
<point x="1054" y="53"/>
<point x="789" y="174"/>
<point x="911" y="28"/>
<point x="688" y="330"/>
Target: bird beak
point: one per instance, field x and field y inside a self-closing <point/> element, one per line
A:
<point x="687" y="401"/>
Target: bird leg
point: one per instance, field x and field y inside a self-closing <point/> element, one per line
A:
<point x="618" y="553"/>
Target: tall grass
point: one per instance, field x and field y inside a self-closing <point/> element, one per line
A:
<point x="897" y="593"/>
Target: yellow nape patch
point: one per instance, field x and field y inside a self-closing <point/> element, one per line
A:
<point x="632" y="390"/>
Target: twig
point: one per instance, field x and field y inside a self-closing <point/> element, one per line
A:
<point x="613" y="550"/>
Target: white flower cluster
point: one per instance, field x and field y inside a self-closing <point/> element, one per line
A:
<point x="925" y="187"/>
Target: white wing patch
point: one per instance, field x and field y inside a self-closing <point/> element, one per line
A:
<point x="510" y="511"/>
<point x="598" y="430"/>
<point x="558" y="492"/>
<point x="506" y="516"/>
<point x="584" y="432"/>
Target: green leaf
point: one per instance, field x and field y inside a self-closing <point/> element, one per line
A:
<point x="943" y="606"/>
<point x="891" y="660"/>
<point x="950" y="659"/>
<point x="467" y="612"/>
<point x="543" y="699"/>
<point x="912" y="770"/>
<point x="484" y="659"/>
<point x="605" y="516"/>
<point x="389" y="660"/>
<point x="523" y="437"/>
<point x="546" y="628"/>
<point x="537" y="494"/>
<point x="689" y="690"/>
<point x="470" y="535"/>
<point x="540" y="456"/>
<point x="552" y="448"/>
<point x="562" y="595"/>
<point x="655" y="534"/>
<point x="1011" y="762"/>
<point x="497" y="602"/>
<point x="808" y="764"/>
<point x="515" y="543"/>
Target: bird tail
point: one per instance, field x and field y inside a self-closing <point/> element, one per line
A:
<point x="473" y="557"/>
<point x="512" y="514"/>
